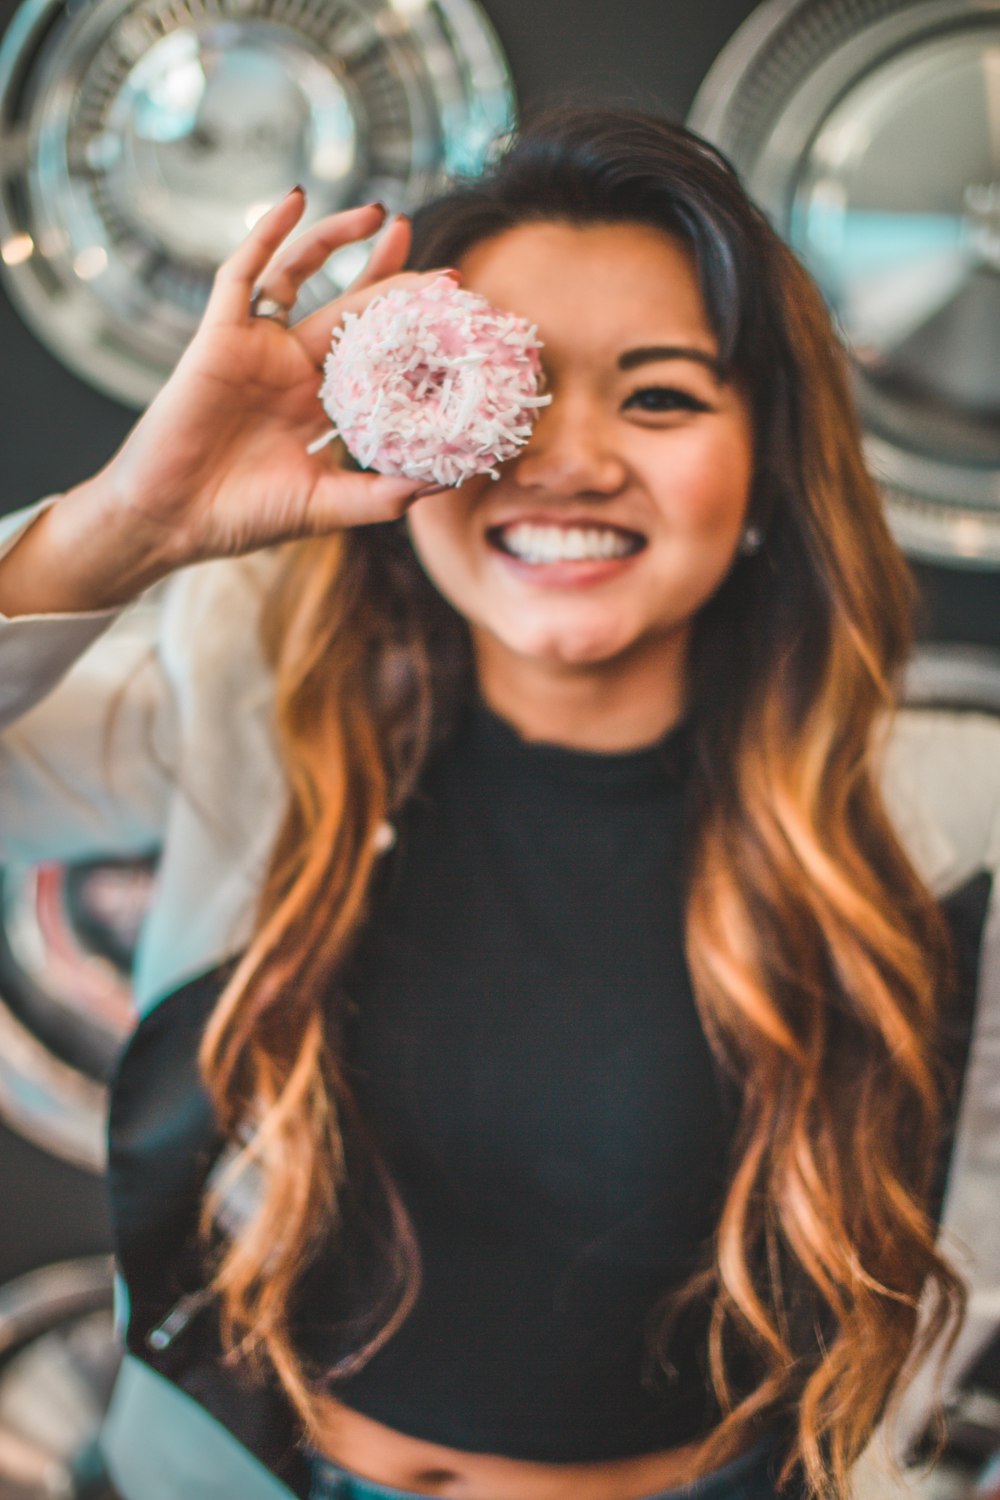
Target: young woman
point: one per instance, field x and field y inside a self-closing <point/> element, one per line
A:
<point x="544" y="1078"/>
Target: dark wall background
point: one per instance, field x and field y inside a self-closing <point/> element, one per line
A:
<point x="49" y="1211"/>
<point x="54" y="430"/>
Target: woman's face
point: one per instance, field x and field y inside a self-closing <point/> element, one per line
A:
<point x="642" y="461"/>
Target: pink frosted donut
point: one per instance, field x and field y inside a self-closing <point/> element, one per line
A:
<point x="432" y="383"/>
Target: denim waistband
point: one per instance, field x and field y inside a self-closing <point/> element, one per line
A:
<point x="751" y="1476"/>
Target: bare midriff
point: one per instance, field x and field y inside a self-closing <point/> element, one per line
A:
<point x="385" y="1456"/>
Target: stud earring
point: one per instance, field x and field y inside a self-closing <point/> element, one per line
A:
<point x="751" y="539"/>
<point x="385" y="837"/>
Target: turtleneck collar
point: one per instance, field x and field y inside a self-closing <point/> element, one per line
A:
<point x="509" y="755"/>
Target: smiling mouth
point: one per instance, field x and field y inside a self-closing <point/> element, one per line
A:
<point x="537" y="545"/>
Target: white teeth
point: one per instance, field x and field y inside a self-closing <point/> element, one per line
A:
<point x="546" y="544"/>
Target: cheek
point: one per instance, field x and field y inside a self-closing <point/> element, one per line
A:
<point x="440" y="532"/>
<point x="708" y="487"/>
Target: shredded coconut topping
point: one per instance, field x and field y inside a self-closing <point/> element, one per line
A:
<point x="432" y="383"/>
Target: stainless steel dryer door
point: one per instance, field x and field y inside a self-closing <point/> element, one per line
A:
<point x="142" y="138"/>
<point x="869" y="130"/>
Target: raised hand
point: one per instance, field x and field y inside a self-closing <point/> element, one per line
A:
<point x="219" y="464"/>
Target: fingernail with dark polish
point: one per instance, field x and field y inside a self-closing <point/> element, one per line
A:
<point x="298" y="188"/>
<point x="382" y="207"/>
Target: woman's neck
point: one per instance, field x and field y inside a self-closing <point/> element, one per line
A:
<point x="611" y="706"/>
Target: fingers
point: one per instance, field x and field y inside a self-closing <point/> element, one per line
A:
<point x="316" y="331"/>
<point x="242" y="271"/>
<point x="239" y="273"/>
<point x="343" y="497"/>
<point x="291" y="267"/>
<point x="389" y="252"/>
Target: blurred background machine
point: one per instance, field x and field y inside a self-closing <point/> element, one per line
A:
<point x="139" y="140"/>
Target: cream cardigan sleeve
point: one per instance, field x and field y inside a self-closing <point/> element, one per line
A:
<point x="87" y="729"/>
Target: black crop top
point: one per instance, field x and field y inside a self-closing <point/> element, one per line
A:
<point x="523" y="1041"/>
<point x="521" y="1038"/>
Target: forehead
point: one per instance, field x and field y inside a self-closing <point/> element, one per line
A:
<point x="599" y="288"/>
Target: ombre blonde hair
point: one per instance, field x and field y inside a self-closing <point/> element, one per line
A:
<point x="821" y="962"/>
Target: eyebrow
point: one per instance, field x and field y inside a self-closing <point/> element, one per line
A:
<point x="633" y="357"/>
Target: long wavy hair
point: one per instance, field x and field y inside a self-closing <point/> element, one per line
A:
<point x="821" y="963"/>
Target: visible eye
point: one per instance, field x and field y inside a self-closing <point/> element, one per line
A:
<point x="659" y="398"/>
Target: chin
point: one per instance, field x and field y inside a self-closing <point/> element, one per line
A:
<point x="560" y="648"/>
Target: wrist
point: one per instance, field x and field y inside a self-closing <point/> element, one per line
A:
<point x="83" y="553"/>
<point x="110" y="550"/>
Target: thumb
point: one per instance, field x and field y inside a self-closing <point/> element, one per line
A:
<point x="347" y="498"/>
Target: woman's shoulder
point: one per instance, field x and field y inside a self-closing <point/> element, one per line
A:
<point x="940" y="776"/>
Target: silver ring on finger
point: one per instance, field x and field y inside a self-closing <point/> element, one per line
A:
<point x="263" y="306"/>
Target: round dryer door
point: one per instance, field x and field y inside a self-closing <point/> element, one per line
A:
<point x="68" y="937"/>
<point x="142" y="138"/>
<point x="67" y="933"/>
<point x="870" y="133"/>
<point x="58" y="1361"/>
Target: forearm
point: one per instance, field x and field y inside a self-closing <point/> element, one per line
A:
<point x="84" y="552"/>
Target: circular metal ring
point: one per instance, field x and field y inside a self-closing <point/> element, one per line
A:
<point x="865" y="130"/>
<point x="263" y="306"/>
<point x="140" y="139"/>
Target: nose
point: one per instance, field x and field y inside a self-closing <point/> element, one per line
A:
<point x="569" y="453"/>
